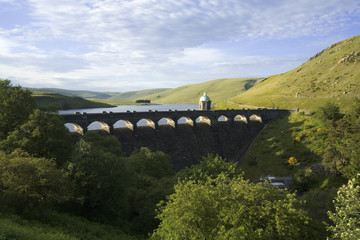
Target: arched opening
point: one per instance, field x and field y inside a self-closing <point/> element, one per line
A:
<point x="95" y="126"/>
<point x="240" y="118"/>
<point x="223" y="118"/>
<point x="203" y="119"/>
<point x="255" y="118"/>
<point x="74" y="128"/>
<point x="185" y="120"/>
<point x="145" y="123"/>
<point x="166" y="121"/>
<point x="124" y="124"/>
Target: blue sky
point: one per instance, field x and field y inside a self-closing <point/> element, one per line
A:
<point x="123" y="45"/>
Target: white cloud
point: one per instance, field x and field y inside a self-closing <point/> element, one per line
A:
<point x="155" y="40"/>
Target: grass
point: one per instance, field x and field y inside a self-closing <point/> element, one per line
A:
<point x="297" y="135"/>
<point x="45" y="100"/>
<point x="217" y="90"/>
<point x="332" y="75"/>
<point x="57" y="227"/>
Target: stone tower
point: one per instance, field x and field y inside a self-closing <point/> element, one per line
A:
<point x="205" y="102"/>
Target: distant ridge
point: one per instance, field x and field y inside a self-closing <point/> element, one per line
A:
<point x="117" y="96"/>
<point x="217" y="90"/>
<point x="78" y="93"/>
<point x="331" y="75"/>
<point x="46" y="101"/>
<point x="134" y="95"/>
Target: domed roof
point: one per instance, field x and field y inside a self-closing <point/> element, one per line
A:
<point x="204" y="98"/>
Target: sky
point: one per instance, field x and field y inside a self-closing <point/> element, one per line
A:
<point x="125" y="45"/>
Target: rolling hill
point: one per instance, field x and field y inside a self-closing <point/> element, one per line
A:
<point x="134" y="95"/>
<point x="78" y="93"/>
<point x="112" y="96"/>
<point x="217" y="90"/>
<point x="331" y="75"/>
<point x="61" y="102"/>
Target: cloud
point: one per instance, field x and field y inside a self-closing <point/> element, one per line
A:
<point x="158" y="41"/>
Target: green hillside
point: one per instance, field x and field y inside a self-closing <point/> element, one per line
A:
<point x="217" y="90"/>
<point x="78" y="93"/>
<point x="62" y="102"/>
<point x="331" y="75"/>
<point x="134" y="95"/>
<point x="112" y="96"/>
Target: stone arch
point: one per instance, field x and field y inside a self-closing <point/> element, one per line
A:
<point x="74" y="128"/>
<point x="203" y="119"/>
<point x="255" y="117"/>
<point x="167" y="122"/>
<point x="185" y="120"/>
<point x="124" y="124"/>
<point x="222" y="118"/>
<point x="98" y="125"/>
<point x="240" y="118"/>
<point x="145" y="122"/>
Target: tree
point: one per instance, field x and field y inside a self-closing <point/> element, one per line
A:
<point x="209" y="167"/>
<point x="346" y="217"/>
<point x="329" y="113"/>
<point x="16" y="104"/>
<point x="342" y="155"/>
<point x="101" y="176"/>
<point x="27" y="182"/>
<point x="43" y="135"/>
<point x="230" y="208"/>
<point x="153" y="180"/>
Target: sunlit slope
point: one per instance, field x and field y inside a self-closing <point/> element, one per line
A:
<point x="217" y="90"/>
<point x="331" y="75"/>
<point x="134" y="95"/>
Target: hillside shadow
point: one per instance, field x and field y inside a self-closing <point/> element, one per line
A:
<point x="280" y="140"/>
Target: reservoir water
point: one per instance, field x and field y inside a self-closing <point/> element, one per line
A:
<point x="137" y="108"/>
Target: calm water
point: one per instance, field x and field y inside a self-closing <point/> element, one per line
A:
<point x="138" y="108"/>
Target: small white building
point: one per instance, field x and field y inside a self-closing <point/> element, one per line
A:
<point x="205" y="102"/>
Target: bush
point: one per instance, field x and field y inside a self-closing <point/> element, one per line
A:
<point x="27" y="183"/>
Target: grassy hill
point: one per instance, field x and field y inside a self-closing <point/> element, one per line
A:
<point x="217" y="90"/>
<point x="112" y="96"/>
<point x="331" y="75"/>
<point x="78" y="93"/>
<point x="61" y="102"/>
<point x="134" y="95"/>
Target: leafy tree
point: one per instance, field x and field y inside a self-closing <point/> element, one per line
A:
<point x="230" y="208"/>
<point x="16" y="104"/>
<point x="27" y="182"/>
<point x="101" y="177"/>
<point x="329" y="113"/>
<point x="153" y="180"/>
<point x="343" y="153"/>
<point x="43" y="135"/>
<point x="346" y="217"/>
<point x="155" y="164"/>
<point x="210" y="166"/>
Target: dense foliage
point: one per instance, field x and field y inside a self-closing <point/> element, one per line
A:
<point x="342" y="156"/>
<point x="27" y="183"/>
<point x="346" y="217"/>
<point x="101" y="177"/>
<point x="42" y="135"/>
<point x="226" y="206"/>
<point x="16" y="104"/>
